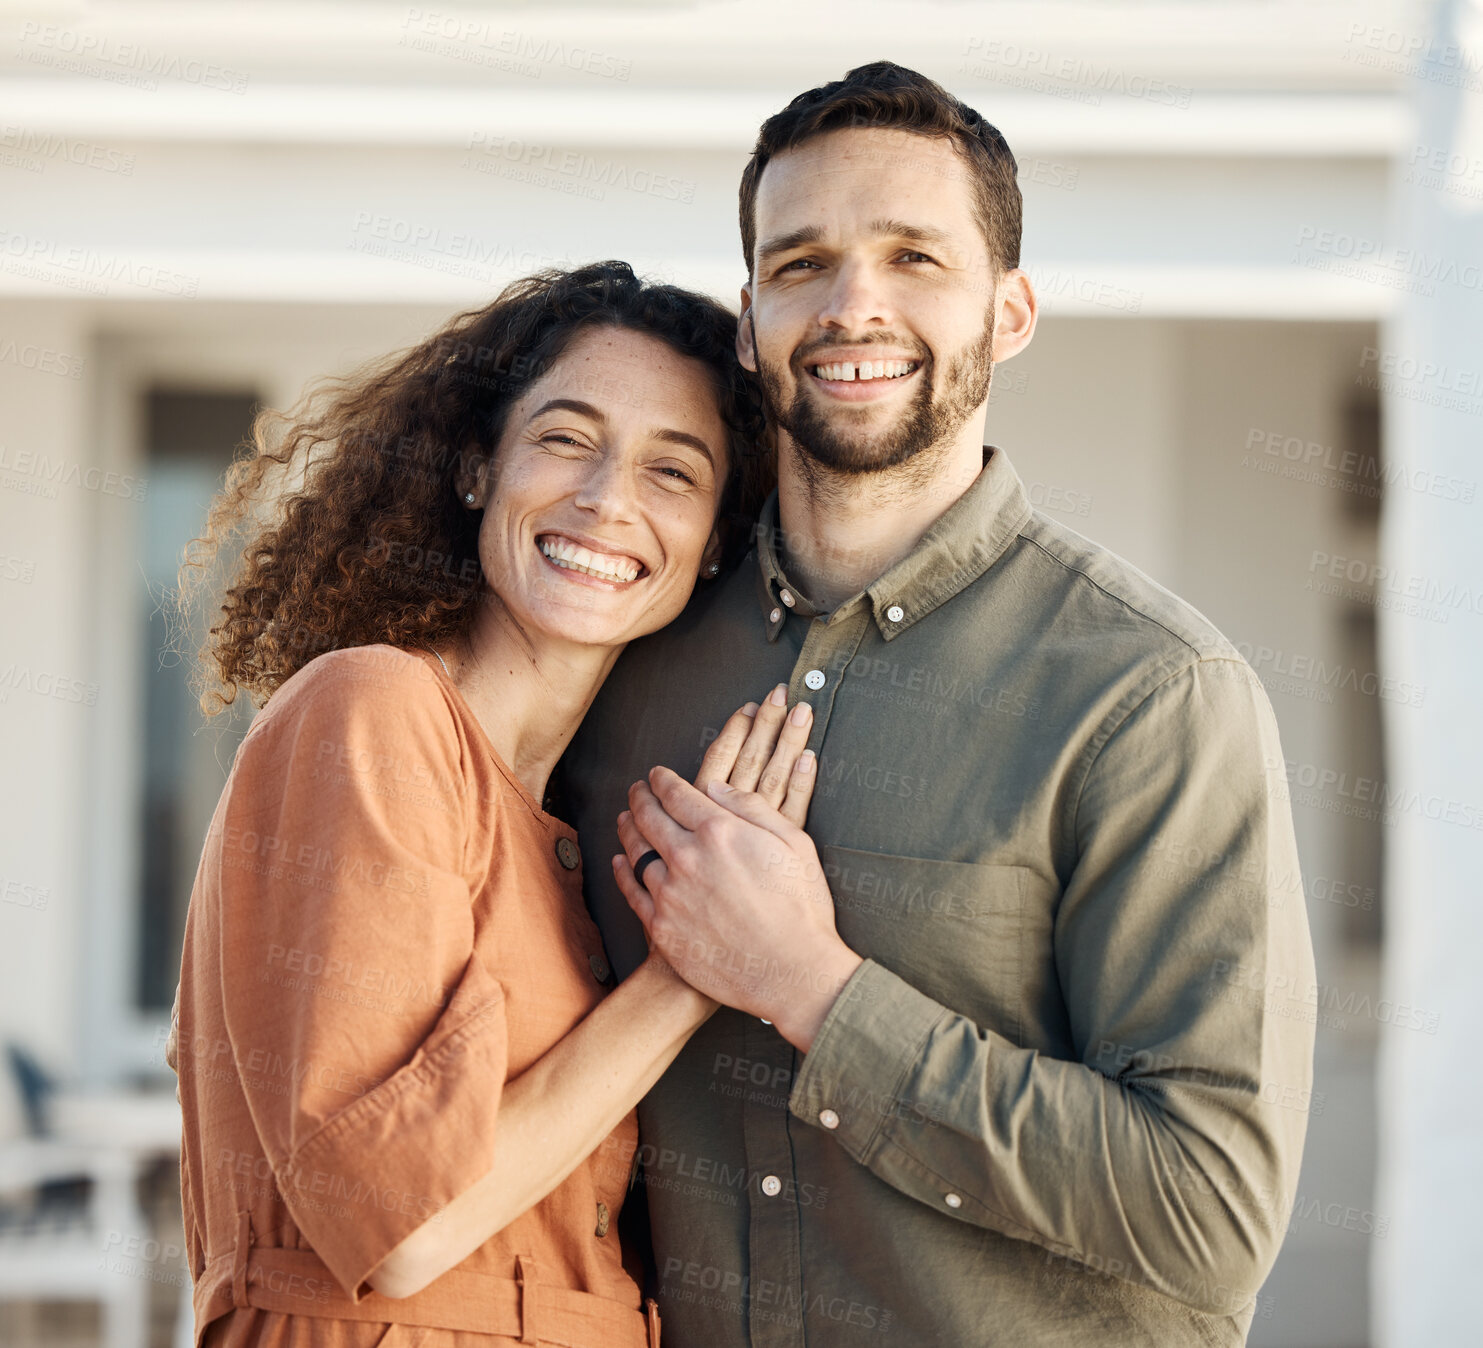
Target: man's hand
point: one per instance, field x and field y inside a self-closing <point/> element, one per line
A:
<point x="737" y="902"/>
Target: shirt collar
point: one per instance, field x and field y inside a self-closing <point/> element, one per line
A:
<point x="972" y="534"/>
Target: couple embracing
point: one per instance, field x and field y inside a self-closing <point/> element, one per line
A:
<point x="711" y="851"/>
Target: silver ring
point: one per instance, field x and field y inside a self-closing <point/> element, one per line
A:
<point x="643" y="863"/>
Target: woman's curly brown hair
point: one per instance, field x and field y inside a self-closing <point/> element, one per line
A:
<point x="348" y="507"/>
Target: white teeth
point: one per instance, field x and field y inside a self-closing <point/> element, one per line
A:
<point x="846" y="371"/>
<point x="573" y="557"/>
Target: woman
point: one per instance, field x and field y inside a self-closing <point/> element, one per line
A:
<point x="407" y="1092"/>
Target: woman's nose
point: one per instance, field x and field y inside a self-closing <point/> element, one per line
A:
<point x="608" y="491"/>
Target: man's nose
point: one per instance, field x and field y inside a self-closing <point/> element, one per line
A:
<point x="856" y="299"/>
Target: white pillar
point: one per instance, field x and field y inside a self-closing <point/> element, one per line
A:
<point x="1430" y="1180"/>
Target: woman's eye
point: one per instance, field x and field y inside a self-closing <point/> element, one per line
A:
<point x="678" y="474"/>
<point x="558" y="439"/>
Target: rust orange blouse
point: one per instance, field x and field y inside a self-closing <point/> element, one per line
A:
<point x="385" y="926"/>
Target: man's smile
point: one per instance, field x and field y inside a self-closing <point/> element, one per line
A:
<point x="862" y="380"/>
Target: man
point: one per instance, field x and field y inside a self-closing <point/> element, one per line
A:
<point x="1012" y="1062"/>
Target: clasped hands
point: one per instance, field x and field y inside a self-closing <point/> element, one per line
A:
<point x="737" y="902"/>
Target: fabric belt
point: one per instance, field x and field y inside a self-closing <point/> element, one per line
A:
<point x="297" y="1282"/>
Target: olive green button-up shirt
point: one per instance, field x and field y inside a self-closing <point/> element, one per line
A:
<point x="1063" y="1100"/>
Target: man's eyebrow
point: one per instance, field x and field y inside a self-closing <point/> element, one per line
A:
<point x="665" y="433"/>
<point x="783" y="243"/>
<point x="900" y="229"/>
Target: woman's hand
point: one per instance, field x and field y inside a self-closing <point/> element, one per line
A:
<point x="172" y="1043"/>
<point x="762" y="750"/>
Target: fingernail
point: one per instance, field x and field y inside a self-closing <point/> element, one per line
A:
<point x="751" y="709"/>
<point x="800" y="714"/>
<point x="806" y="763"/>
<point x="779" y="695"/>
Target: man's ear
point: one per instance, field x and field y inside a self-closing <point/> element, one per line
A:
<point x="746" y="332"/>
<point x="1016" y="310"/>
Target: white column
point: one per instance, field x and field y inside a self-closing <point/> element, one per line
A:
<point x="1430" y="1181"/>
<point x="50" y="498"/>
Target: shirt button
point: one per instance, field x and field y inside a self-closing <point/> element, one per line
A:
<point x="787" y="597"/>
<point x="829" y="1118"/>
<point x="775" y="616"/>
<point x="895" y="613"/>
<point x="602" y="1219"/>
<point x="953" y="1201"/>
<point x="567" y="853"/>
<point x="814" y="679"/>
<point x="599" y="967"/>
<point x="772" y="1186"/>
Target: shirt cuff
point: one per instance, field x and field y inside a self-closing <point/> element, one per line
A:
<point x="851" y="1080"/>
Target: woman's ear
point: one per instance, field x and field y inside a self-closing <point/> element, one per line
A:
<point x="471" y="481"/>
<point x="710" y="561"/>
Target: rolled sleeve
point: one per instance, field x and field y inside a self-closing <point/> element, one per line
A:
<point x="862" y="1057"/>
<point x="392" y="1160"/>
<point x="369" y="1039"/>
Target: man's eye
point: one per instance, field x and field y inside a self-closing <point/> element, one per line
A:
<point x="797" y="262"/>
<point x="912" y="256"/>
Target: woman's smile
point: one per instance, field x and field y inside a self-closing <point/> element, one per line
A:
<point x="585" y="560"/>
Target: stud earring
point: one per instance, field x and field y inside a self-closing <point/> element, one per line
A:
<point x="713" y="570"/>
<point x="468" y="496"/>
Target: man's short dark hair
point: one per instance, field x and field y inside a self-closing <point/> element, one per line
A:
<point x="887" y="96"/>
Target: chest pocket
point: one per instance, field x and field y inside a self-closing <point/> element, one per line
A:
<point x="952" y="929"/>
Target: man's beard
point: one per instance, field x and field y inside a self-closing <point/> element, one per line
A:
<point x="924" y="422"/>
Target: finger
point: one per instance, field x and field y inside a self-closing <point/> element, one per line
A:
<point x="720" y="758"/>
<point x="639" y="898"/>
<point x="750" y="806"/>
<point x="633" y="842"/>
<point x="760" y="740"/>
<point x="773" y="784"/>
<point x="800" y="788"/>
<point x="172" y="1041"/>
<point x="655" y="819"/>
<point x="683" y="805"/>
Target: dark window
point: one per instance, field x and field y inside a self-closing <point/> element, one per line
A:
<point x="190" y="438"/>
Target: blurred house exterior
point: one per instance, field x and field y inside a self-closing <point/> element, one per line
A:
<point x="204" y="209"/>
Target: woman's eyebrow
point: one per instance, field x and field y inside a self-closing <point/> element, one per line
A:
<point x="570" y="405"/>
<point x="665" y="433"/>
<point x="675" y="437"/>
